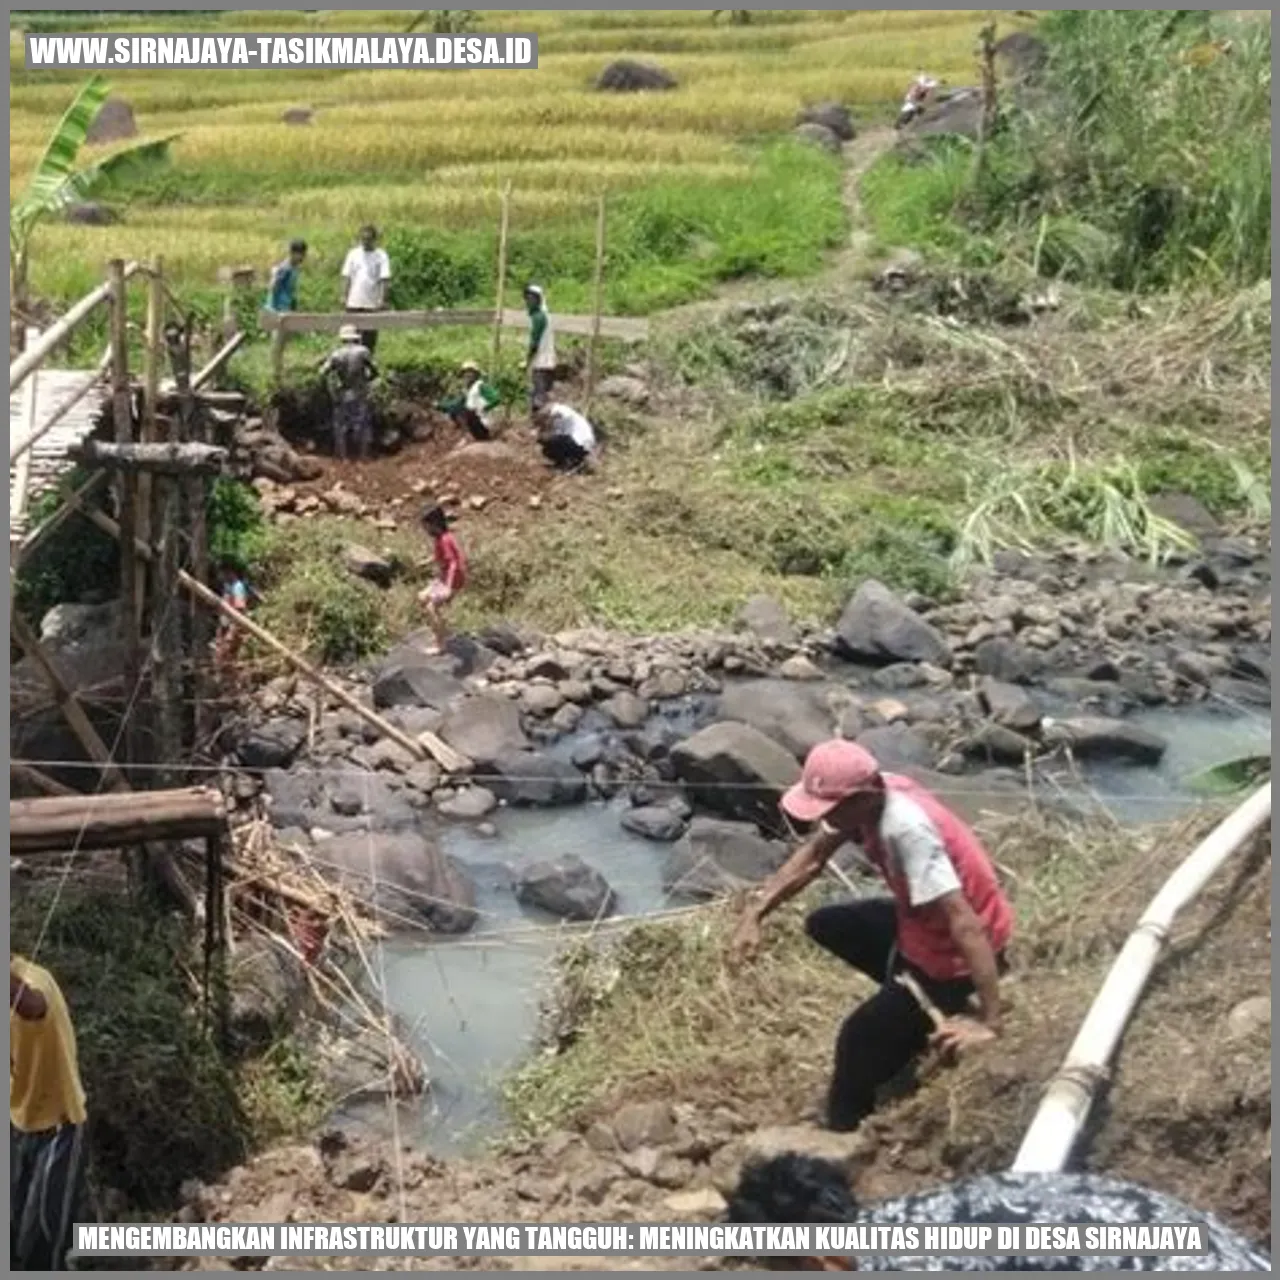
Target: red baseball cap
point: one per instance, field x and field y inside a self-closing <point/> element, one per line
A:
<point x="833" y="771"/>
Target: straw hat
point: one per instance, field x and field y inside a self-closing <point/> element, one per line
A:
<point x="348" y="333"/>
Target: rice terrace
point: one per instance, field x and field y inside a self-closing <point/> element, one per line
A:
<point x="683" y="606"/>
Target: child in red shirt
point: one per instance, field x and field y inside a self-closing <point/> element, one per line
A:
<point x="451" y="572"/>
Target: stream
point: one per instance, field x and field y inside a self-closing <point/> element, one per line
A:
<point x="472" y="1004"/>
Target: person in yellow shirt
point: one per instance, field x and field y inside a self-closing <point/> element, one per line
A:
<point x="46" y="1121"/>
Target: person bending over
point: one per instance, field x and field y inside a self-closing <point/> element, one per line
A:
<point x="803" y="1189"/>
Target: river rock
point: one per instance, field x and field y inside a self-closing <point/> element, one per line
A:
<point x="567" y="718"/>
<point x="589" y="752"/>
<point x="541" y="699"/>
<point x="626" y="709"/>
<point x="483" y="728"/>
<point x="272" y="745"/>
<point x="899" y="746"/>
<point x="1009" y="704"/>
<point x="1187" y="512"/>
<point x="469" y="803"/>
<point x="643" y="1124"/>
<point x="767" y="620"/>
<point x="717" y="857"/>
<point x="1100" y="738"/>
<point x="566" y="887"/>
<point x="363" y="563"/>
<point x="411" y="879"/>
<point x="795" y="716"/>
<point x="654" y="822"/>
<point x="733" y="769"/>
<point x="876" y="626"/>
<point x="798" y="667"/>
<point x="409" y="677"/>
<point x="529" y="779"/>
<point x="998" y="744"/>
<point x="294" y="797"/>
<point x="268" y="991"/>
<point x="1007" y="660"/>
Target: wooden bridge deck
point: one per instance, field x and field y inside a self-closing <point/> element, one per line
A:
<point x="43" y="466"/>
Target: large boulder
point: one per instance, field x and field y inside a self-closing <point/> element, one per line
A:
<point x="483" y="728"/>
<point x="833" y="116"/>
<point x="876" y="626"/>
<point x="409" y="677"/>
<point x="735" y="770"/>
<point x="796" y="716"/>
<point x="1009" y="704"/>
<point x="566" y="887"/>
<point x="628" y="76"/>
<point x="1007" y="660"/>
<point x="655" y="822"/>
<point x="1101" y="738"/>
<point x="899" y="746"/>
<point x="717" y="857"/>
<point x="274" y="744"/>
<point x="529" y="779"/>
<point x="404" y="876"/>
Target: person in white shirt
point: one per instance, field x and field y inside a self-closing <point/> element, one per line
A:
<point x="367" y="270"/>
<point x="568" y="440"/>
<point x="541" y="358"/>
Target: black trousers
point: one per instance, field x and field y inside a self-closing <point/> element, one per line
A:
<point x="887" y="1032"/>
<point x="46" y="1196"/>
<point x="469" y="421"/>
<point x="368" y="337"/>
<point x="561" y="451"/>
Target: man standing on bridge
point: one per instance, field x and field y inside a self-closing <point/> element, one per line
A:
<point x="938" y="940"/>
<point x="46" y="1122"/>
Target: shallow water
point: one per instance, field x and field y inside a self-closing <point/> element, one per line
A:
<point x="472" y="1004"/>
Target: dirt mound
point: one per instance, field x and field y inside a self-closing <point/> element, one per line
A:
<point x="626" y="76"/>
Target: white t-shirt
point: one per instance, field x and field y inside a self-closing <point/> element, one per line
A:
<point x="366" y="271"/>
<point x="916" y="846"/>
<point x="474" y="401"/>
<point x="569" y="422"/>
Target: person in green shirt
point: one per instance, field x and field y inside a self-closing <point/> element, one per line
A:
<point x="541" y="358"/>
<point x="472" y="410"/>
<point x="283" y="293"/>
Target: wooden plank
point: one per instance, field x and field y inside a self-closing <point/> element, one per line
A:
<point x="619" y="328"/>
<point x="86" y="382"/>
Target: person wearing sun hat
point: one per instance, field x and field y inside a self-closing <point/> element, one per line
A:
<point x="934" y="944"/>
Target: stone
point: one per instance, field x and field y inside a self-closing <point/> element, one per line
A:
<point x="819" y="135"/>
<point x="468" y="804"/>
<point x="876" y="626"/>
<point x="654" y="822"/>
<point x="294" y="798"/>
<point x="363" y="563"/>
<point x="733" y="769"/>
<point x="567" y="718"/>
<point x="113" y="123"/>
<point x="629" y="76"/>
<point x="387" y="753"/>
<point x="1007" y="660"/>
<point x="798" y="667"/>
<point x="998" y="744"/>
<point x="272" y="745"/>
<point x="795" y="716"/>
<point x="899" y="746"/>
<point x="626" y="710"/>
<point x="483" y="728"/>
<point x="1195" y="668"/>
<point x="833" y="116"/>
<point x="577" y="691"/>
<point x="1248" y="1017"/>
<point x="631" y="391"/>
<point x="566" y="887"/>
<point x="589" y="752"/>
<point x="409" y="677"/>
<point x="848" y="1150"/>
<point x="410" y="878"/>
<point x="1009" y="704"/>
<point x="541" y="699"/>
<point x="1187" y="512"/>
<point x="424" y="776"/>
<point x="529" y="779"/>
<point x="703" y="1202"/>
<point x="1101" y="738"/>
<point x="718" y="857"/>
<point x="767" y="620"/>
<point x="899" y="675"/>
<point x="643" y="1124"/>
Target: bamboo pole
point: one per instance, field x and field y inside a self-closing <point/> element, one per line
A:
<point x="132" y="580"/>
<point x="57" y="333"/>
<point x="1065" y="1107"/>
<point x="502" y="280"/>
<point x="221" y="356"/>
<point x="149" y="431"/>
<point x="34" y="777"/>
<point x="52" y="824"/>
<point x="18" y="447"/>
<point x="18" y="493"/>
<point x="597" y="307"/>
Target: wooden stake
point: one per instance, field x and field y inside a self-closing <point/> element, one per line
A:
<point x="598" y="305"/>
<point x="502" y="280"/>
<point x="130" y="576"/>
<point x="151" y="390"/>
<point x="18" y="493"/>
<point x="277" y="356"/>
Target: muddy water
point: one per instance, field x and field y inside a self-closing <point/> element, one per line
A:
<point x="472" y="1004"/>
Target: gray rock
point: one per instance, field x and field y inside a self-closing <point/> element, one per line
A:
<point x="834" y="116"/>
<point x="626" y="710"/>
<point x="294" y="798"/>
<point x="643" y="1124"/>
<point x="589" y="752"/>
<point x="566" y="887"/>
<point x="878" y="627"/>
<point x="409" y="677"/>
<point x="1100" y="738"/>
<point x="766" y="619"/>
<point x="998" y="744"/>
<point x="483" y="728"/>
<point x="1009" y="704"/>
<point x="413" y="720"/>
<point x="798" y="667"/>
<point x="628" y="76"/>
<point x="366" y="564"/>
<point x="795" y="716"/>
<point x="899" y="675"/>
<point x="718" y="857"/>
<point x="735" y="770"/>
<point x="567" y="718"/>
<point x="113" y="123"/>
<point x="1187" y="512"/>
<point x="899" y="746"/>
<point x="541" y="699"/>
<point x="1249" y="1016"/>
<point x="1007" y="660"/>
<point x="529" y="779"/>
<point x="272" y="745"/>
<point x="820" y="136"/>
<point x="631" y="391"/>
<point x="424" y="776"/>
<point x="469" y="804"/>
<point x="268" y="991"/>
<point x="410" y="880"/>
<point x="654" y="822"/>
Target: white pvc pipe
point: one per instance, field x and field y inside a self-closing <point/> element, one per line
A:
<point x="1065" y="1107"/>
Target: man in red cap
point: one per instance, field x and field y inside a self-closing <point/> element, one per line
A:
<point x="939" y="940"/>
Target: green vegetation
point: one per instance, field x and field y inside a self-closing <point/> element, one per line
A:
<point x="1140" y="160"/>
<point x="164" y="1104"/>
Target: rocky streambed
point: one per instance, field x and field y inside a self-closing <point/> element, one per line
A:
<point x="615" y="775"/>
